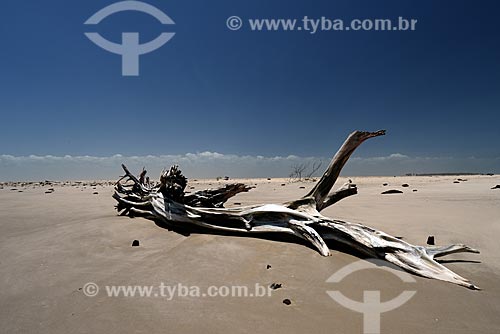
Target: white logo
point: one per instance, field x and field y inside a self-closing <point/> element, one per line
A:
<point x="90" y="289"/>
<point x="234" y="22"/>
<point x="130" y="49"/>
<point x="371" y="307"/>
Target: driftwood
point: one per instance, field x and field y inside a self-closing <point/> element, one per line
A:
<point x="166" y="201"/>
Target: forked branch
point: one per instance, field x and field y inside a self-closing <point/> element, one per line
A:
<point x="320" y="191"/>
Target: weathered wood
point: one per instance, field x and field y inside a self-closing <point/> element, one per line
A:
<point x="204" y="209"/>
<point x="321" y="190"/>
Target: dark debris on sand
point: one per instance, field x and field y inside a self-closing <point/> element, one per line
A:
<point x="392" y="191"/>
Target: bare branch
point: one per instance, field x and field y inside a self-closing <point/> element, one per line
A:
<point x="297" y="171"/>
<point x="325" y="184"/>
<point x="348" y="189"/>
<point x="316" y="165"/>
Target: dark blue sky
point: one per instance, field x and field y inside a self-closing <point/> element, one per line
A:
<point x="436" y="90"/>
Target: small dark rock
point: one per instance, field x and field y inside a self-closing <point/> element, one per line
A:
<point x="49" y="192"/>
<point x="430" y="240"/>
<point x="302" y="187"/>
<point x="237" y="203"/>
<point x="392" y="191"/>
<point x="275" y="286"/>
<point x="268" y="266"/>
<point x="282" y="184"/>
<point x="269" y="179"/>
<point x="496" y="187"/>
<point x="405" y="185"/>
<point x="385" y="184"/>
<point x="287" y="301"/>
<point x="415" y="190"/>
<point x="95" y="193"/>
<point x="135" y="243"/>
<point x="456" y="181"/>
<point x="463" y="180"/>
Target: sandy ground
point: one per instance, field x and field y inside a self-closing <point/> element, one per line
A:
<point x="52" y="244"/>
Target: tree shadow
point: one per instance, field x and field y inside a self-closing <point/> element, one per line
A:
<point x="277" y="237"/>
<point x="456" y="261"/>
<point x="190" y="230"/>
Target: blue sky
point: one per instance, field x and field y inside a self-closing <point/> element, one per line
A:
<point x="244" y="94"/>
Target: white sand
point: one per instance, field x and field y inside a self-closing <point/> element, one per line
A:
<point x="52" y="244"/>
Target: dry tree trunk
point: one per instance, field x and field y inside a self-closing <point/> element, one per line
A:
<point x="204" y="209"/>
